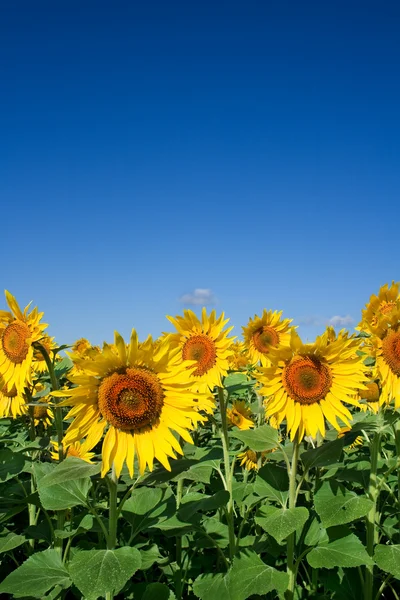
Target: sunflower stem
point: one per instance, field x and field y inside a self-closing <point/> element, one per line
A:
<point x="178" y="543"/>
<point x="372" y="526"/>
<point x="228" y="471"/>
<point x="291" y="565"/>
<point x="113" y="513"/>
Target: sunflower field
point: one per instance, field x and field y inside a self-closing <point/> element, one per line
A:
<point x="200" y="465"/>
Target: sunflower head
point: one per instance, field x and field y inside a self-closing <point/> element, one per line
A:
<point x="240" y="415"/>
<point x="239" y="360"/>
<point x="206" y="344"/>
<point x="76" y="449"/>
<point x="251" y="460"/>
<point x="18" y="331"/>
<point x="357" y="442"/>
<point x="139" y="394"/>
<point x="12" y="402"/>
<point x="382" y="311"/>
<point x="262" y="334"/>
<point x="308" y="383"/>
<point x="39" y="364"/>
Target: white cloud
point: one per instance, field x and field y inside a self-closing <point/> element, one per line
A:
<point x="310" y="320"/>
<point x="338" y="321"/>
<point x="199" y="297"/>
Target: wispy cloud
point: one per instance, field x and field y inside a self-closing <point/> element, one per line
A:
<point x="338" y="321"/>
<point x="311" y="320"/>
<point x="199" y="297"/>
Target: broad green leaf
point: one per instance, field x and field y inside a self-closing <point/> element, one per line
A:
<point x="357" y="472"/>
<point x="11" y="464"/>
<point x="272" y="482"/>
<point x="199" y="473"/>
<point x="216" y="530"/>
<point x="149" y="557"/>
<point x="70" y="469"/>
<point x="323" y="456"/>
<point x="259" y="439"/>
<point x="344" y="552"/>
<point x="11" y="541"/>
<point x="237" y="382"/>
<point x="96" y="572"/>
<point x="156" y="591"/>
<point x="342" y="584"/>
<point x="63" y="496"/>
<point x="208" y="503"/>
<point x="336" y="505"/>
<point x="315" y="534"/>
<point x="211" y="586"/>
<point x="143" y="500"/>
<point x="36" y="576"/>
<point x="281" y="522"/>
<point x="249" y="575"/>
<point x="388" y="559"/>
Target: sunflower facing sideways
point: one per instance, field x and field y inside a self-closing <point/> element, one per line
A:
<point x="12" y="402"/>
<point x="381" y="310"/>
<point x="205" y="342"/>
<point x="264" y="333"/>
<point x="239" y="415"/>
<point x="308" y="383"/>
<point x="138" y="395"/>
<point x="18" y="331"/>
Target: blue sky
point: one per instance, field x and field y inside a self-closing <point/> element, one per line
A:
<point x="149" y="150"/>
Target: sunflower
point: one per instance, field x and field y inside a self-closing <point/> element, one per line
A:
<point x="75" y="449"/>
<point x="42" y="412"/>
<point x="380" y="311"/>
<point x="251" y="460"/>
<point x="262" y="334"/>
<point x="12" y="402"/>
<point x="207" y="343"/>
<point x="139" y="396"/>
<point x="18" y="331"/>
<point x="239" y="359"/>
<point x="81" y="349"/>
<point x="39" y="364"/>
<point x="357" y="442"/>
<point x="371" y="395"/>
<point x="239" y="415"/>
<point x="387" y="365"/>
<point x="307" y="382"/>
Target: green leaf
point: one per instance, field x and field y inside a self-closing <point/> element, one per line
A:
<point x="143" y="500"/>
<point x="70" y="469"/>
<point x="388" y="559"/>
<point x="149" y="557"/>
<point x="11" y="541"/>
<point x="37" y="575"/>
<point x="208" y="503"/>
<point x="211" y="586"/>
<point x="272" y="482"/>
<point x="315" y="534"/>
<point x="156" y="591"/>
<point x="96" y="572"/>
<point x="336" y="505"/>
<point x="63" y="496"/>
<point x="237" y="382"/>
<point x="323" y="456"/>
<point x="250" y="575"/>
<point x="281" y="522"/>
<point x="344" y="552"/>
<point x="259" y="439"/>
<point x="11" y="464"/>
<point x="200" y="472"/>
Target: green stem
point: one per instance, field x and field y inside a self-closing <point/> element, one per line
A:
<point x="372" y="528"/>
<point x="291" y="566"/>
<point x="178" y="543"/>
<point x="112" y="517"/>
<point x="228" y="472"/>
<point x="397" y="441"/>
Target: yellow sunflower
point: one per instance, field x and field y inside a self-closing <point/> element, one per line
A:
<point x="379" y="312"/>
<point x="251" y="460"/>
<point x="39" y="364"/>
<point x="207" y="343"/>
<point x="81" y="349"/>
<point x="18" y="331"/>
<point x="75" y="449"/>
<point x="307" y="383"/>
<point x="357" y="442"/>
<point x="42" y="412"/>
<point x="387" y="364"/>
<point x="239" y="415"/>
<point x="371" y="395"/>
<point x="264" y="333"/>
<point x="12" y="402"/>
<point x="239" y="359"/>
<point x="141" y="397"/>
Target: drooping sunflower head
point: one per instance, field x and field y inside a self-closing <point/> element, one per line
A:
<point x="18" y="331"/>
<point x="76" y="449"/>
<point x="240" y="415"/>
<point x="206" y="343"/>
<point x="251" y="460"/>
<point x="39" y="364"/>
<point x="262" y="334"/>
<point x="42" y="412"/>
<point x="139" y="394"/>
<point x="12" y="402"/>
<point x="386" y="351"/>
<point x="357" y="442"/>
<point x="308" y="383"/>
<point x="382" y="311"/>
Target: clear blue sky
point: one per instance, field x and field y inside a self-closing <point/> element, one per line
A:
<point x="149" y="149"/>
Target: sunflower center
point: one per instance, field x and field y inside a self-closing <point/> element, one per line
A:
<point x="391" y="351"/>
<point x="307" y="380"/>
<point x="236" y="417"/>
<point x="131" y="400"/>
<point x="201" y="349"/>
<point x="40" y="412"/>
<point x="387" y="307"/>
<point x="9" y="393"/>
<point x="16" y="341"/>
<point x="264" y="338"/>
<point x="72" y="451"/>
